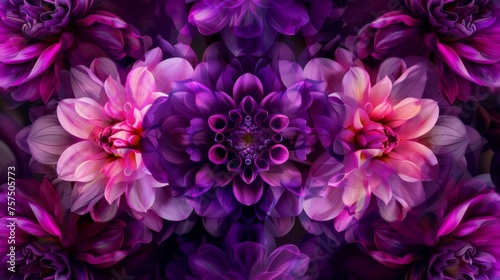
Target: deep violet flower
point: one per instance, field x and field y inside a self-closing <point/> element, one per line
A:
<point x="38" y="39"/>
<point x="454" y="235"/>
<point x="53" y="243"/>
<point x="460" y="36"/>
<point x="201" y="138"/>
<point x="247" y="252"/>
<point x="247" y="27"/>
<point x="95" y="140"/>
<point x="390" y="143"/>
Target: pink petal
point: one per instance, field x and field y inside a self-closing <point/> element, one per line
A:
<point x="421" y="123"/>
<point x="51" y="55"/>
<point x="356" y="84"/>
<point x="406" y="109"/>
<point x="354" y="188"/>
<point x="140" y="84"/>
<point x="114" y="190"/>
<point x="82" y="161"/>
<point x="413" y="161"/>
<point x="76" y="124"/>
<point x="116" y="96"/>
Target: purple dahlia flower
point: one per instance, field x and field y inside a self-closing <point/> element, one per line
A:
<point x="94" y="139"/>
<point x="53" y="243"/>
<point x="454" y="235"/>
<point x="460" y="36"/>
<point x="39" y="37"/>
<point x="200" y="139"/>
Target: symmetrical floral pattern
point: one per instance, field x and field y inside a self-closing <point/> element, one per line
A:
<point x="249" y="139"/>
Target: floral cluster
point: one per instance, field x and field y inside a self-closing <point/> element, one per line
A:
<point x="250" y="139"/>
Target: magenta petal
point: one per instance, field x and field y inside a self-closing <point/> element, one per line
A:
<point x="218" y="123"/>
<point x="278" y="122"/>
<point x="278" y="154"/>
<point x="47" y="221"/>
<point x="139" y="87"/>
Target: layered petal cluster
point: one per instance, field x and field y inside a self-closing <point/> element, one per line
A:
<point x="94" y="140"/>
<point x="248" y="27"/>
<point x="201" y="139"/>
<point x="53" y="243"/>
<point x="388" y="145"/>
<point x="248" y="252"/>
<point x="460" y="36"/>
<point x="454" y="236"/>
<point x="39" y="38"/>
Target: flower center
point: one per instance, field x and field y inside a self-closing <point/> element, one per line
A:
<point x="248" y="140"/>
<point x="113" y="139"/>
<point x="376" y="136"/>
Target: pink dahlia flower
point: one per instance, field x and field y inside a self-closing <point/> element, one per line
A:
<point x="38" y="38"/>
<point x="389" y="144"/>
<point x="95" y="140"/>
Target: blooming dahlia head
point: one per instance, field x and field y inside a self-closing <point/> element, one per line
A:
<point x="460" y="36"/>
<point x="101" y="130"/>
<point x="202" y="139"/>
<point x="37" y="36"/>
<point x="53" y="243"/>
<point x="385" y="146"/>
